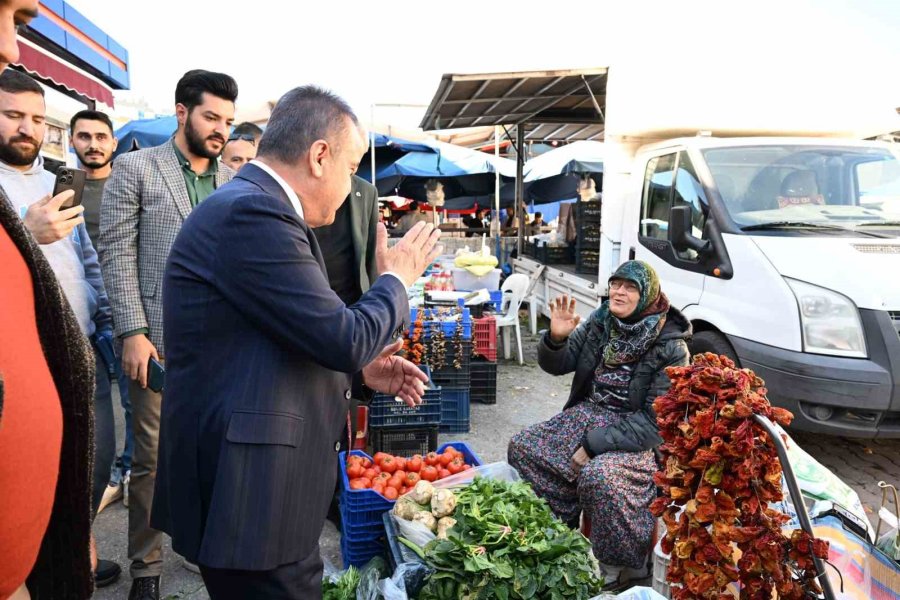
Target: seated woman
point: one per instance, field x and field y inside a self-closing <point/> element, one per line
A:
<point x="596" y="456"/>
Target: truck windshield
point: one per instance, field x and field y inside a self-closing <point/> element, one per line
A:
<point x="842" y="187"/>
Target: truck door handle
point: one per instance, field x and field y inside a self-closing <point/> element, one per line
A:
<point x="631" y="253"/>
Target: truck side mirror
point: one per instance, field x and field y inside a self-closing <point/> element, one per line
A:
<point x="680" y="229"/>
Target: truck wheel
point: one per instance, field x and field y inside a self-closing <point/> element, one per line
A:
<point x="712" y="341"/>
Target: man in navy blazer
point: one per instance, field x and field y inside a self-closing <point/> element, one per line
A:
<point x="262" y="355"/>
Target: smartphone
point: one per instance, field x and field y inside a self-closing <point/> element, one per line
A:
<point x="69" y="179"/>
<point x="156" y="375"/>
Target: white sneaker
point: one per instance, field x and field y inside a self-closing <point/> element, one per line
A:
<point x="112" y="493"/>
<point x="126" y="480"/>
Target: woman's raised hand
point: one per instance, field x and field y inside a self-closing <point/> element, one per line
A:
<point x="563" y="318"/>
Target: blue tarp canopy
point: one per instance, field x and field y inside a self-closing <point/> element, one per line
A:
<point x="554" y="175"/>
<point x="388" y="150"/>
<point x="145" y="133"/>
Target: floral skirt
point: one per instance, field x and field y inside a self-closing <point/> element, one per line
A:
<point x="614" y="489"/>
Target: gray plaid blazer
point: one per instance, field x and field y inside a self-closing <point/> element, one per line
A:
<point x="144" y="205"/>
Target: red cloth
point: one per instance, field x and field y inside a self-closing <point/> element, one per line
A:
<point x="30" y="424"/>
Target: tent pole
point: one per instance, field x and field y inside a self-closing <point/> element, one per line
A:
<point x="496" y="219"/>
<point x="520" y="192"/>
<point x="372" y="141"/>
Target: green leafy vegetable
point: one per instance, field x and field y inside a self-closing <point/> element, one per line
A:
<point x="342" y="588"/>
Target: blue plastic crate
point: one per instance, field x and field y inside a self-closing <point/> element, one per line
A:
<point x="455" y="410"/>
<point x="359" y="552"/>
<point x="449" y="327"/>
<point x="354" y="530"/>
<point x="496" y="300"/>
<point x="386" y="411"/>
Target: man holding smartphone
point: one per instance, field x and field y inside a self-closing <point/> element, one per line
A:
<point x="65" y="242"/>
<point x="148" y="196"/>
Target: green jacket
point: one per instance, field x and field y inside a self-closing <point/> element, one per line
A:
<point x="581" y="352"/>
<point x="364" y="219"/>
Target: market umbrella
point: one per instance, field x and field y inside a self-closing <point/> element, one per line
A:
<point x="145" y="133"/>
<point x="388" y="150"/>
<point x="554" y="175"/>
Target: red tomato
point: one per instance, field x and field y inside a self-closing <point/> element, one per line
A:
<point x="466" y="467"/>
<point x="414" y="464"/>
<point x="445" y="459"/>
<point x="429" y="473"/>
<point x="354" y="459"/>
<point x="396" y="482"/>
<point x="379" y="456"/>
<point x="376" y="467"/>
<point x="391" y="493"/>
<point x="412" y="479"/>
<point x="401" y="463"/>
<point x="383" y="477"/>
<point x="378" y="486"/>
<point x="359" y="484"/>
<point x="400" y="473"/>
<point x="432" y="458"/>
<point x="370" y="473"/>
<point x="388" y="464"/>
<point x="443" y="473"/>
<point x="403" y="490"/>
<point x="455" y="466"/>
<point x="355" y="470"/>
<point x="366" y="462"/>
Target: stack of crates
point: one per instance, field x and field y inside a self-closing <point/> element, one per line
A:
<point x="483" y="368"/>
<point x="396" y="428"/>
<point x="587" y="245"/>
<point x="449" y="366"/>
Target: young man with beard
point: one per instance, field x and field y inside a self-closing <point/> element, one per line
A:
<point x="92" y="138"/>
<point x="147" y="198"/>
<point x="68" y="248"/>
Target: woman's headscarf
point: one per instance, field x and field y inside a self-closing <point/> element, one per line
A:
<point x="630" y="338"/>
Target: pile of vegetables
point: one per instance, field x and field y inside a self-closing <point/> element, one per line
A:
<point x="721" y="472"/>
<point x="392" y="476"/>
<point x="502" y="542"/>
<point x="341" y="588"/>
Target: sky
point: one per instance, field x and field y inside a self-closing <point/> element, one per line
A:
<point x="395" y="51"/>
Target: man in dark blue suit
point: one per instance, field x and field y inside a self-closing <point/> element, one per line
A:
<point x="262" y="355"/>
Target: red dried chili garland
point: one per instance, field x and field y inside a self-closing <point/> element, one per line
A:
<point x="721" y="469"/>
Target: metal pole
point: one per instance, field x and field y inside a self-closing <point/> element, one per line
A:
<point x="520" y="191"/>
<point x="797" y="498"/>
<point x="496" y="219"/>
<point x="372" y="141"/>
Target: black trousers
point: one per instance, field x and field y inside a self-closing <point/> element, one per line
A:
<point x="301" y="580"/>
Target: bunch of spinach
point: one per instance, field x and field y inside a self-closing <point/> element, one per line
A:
<point x="507" y="545"/>
<point x="341" y="588"/>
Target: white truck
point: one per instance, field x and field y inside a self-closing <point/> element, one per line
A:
<point x="779" y="239"/>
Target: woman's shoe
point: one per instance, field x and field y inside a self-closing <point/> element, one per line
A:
<point x="107" y="573"/>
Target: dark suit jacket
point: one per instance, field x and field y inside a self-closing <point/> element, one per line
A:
<point x="364" y="218"/>
<point x="259" y="357"/>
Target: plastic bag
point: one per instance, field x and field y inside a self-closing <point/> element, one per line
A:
<point x="369" y="576"/>
<point x="635" y="593"/>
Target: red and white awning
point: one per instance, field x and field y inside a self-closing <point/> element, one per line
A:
<point x="44" y="65"/>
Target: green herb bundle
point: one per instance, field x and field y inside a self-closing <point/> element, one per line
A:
<point x="342" y="588"/>
<point x="507" y="544"/>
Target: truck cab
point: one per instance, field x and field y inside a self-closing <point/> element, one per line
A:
<point x="784" y="253"/>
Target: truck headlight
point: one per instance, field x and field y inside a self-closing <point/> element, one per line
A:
<point x="829" y="321"/>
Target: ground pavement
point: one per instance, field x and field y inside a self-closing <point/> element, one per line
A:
<point x="525" y="396"/>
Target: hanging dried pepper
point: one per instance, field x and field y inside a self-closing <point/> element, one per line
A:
<point x="720" y="474"/>
<point x="413" y="349"/>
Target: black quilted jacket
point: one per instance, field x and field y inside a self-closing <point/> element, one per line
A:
<point x="581" y="353"/>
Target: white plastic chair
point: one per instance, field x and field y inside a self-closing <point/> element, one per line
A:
<point x="514" y="289"/>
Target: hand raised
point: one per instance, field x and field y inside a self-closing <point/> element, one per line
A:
<point x="409" y="257"/>
<point x="390" y="374"/>
<point x="563" y="318"/>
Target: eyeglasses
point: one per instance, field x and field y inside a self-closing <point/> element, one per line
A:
<point x="247" y="137"/>
<point x="629" y="286"/>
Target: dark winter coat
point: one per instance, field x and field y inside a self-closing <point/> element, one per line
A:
<point x="581" y="353"/>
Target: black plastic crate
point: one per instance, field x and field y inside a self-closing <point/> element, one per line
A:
<point x="387" y="411"/>
<point x="554" y="255"/>
<point x="587" y="212"/>
<point x="484" y="382"/>
<point x="404" y="441"/>
<point x="447" y="375"/>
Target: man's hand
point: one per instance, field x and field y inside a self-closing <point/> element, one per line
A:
<point x="579" y="460"/>
<point x="47" y="223"/>
<point x="395" y="375"/>
<point x="409" y="257"/>
<point x="136" y="353"/>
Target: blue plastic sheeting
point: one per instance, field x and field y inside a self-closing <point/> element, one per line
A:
<point x="449" y="161"/>
<point x="389" y="141"/>
<point x="145" y="133"/>
<point x="554" y="175"/>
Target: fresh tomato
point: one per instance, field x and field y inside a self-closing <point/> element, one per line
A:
<point x="414" y="464"/>
<point x="370" y="473"/>
<point x="429" y="473"/>
<point x="391" y="493"/>
<point x="442" y="472"/>
<point x="432" y="458"/>
<point x="366" y="463"/>
<point x="376" y="467"/>
<point x="466" y="467"/>
<point x="355" y="470"/>
<point x="380" y="456"/>
<point x="400" y="473"/>
<point x="445" y="459"/>
<point x="455" y="466"/>
<point x="401" y="463"/>
<point x="378" y="486"/>
<point x="412" y="478"/>
<point x="385" y="477"/>
<point x="388" y="464"/>
<point x="403" y="490"/>
<point x="359" y="484"/>
<point x="396" y="482"/>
